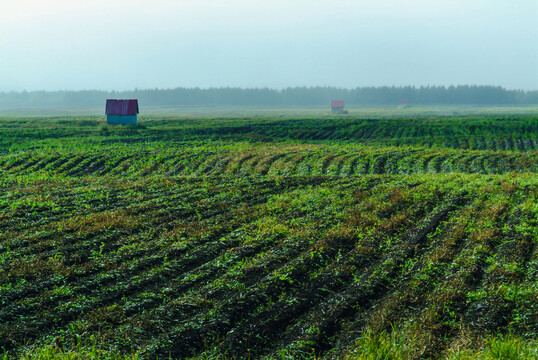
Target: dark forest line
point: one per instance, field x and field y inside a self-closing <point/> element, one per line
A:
<point x="292" y="96"/>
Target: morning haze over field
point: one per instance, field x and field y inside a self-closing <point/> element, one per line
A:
<point x="122" y="45"/>
<point x="274" y="180"/>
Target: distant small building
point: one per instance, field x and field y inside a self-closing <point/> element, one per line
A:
<point x="337" y="106"/>
<point x="121" y="112"/>
<point x="403" y="103"/>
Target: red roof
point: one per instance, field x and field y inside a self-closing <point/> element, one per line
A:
<point x="121" y="107"/>
<point x="337" y="103"/>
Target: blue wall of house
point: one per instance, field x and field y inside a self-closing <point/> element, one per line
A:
<point x="337" y="109"/>
<point x="121" y="119"/>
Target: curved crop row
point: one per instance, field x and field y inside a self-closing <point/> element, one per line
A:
<point x="285" y="161"/>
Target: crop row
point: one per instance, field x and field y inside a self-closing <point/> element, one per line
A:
<point x="286" y="160"/>
<point x="181" y="267"/>
<point x="492" y="133"/>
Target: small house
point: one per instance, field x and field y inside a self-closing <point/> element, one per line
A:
<point x="121" y="112"/>
<point x="337" y="106"/>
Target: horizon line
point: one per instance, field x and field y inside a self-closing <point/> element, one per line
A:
<point x="271" y="88"/>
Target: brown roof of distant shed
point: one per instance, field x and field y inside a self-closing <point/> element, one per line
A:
<point x="121" y="107"/>
<point x="337" y="103"/>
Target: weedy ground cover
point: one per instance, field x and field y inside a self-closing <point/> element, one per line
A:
<point x="269" y="238"/>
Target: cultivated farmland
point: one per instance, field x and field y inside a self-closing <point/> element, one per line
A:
<point x="269" y="238"/>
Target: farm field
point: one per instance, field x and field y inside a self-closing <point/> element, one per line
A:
<point x="268" y="237"/>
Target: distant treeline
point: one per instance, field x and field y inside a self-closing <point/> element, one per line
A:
<point x="293" y="96"/>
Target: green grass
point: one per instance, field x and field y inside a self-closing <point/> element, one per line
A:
<point x="401" y="345"/>
<point x="52" y="352"/>
<point x="380" y="346"/>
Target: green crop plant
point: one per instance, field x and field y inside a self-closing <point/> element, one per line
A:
<point x="271" y="237"/>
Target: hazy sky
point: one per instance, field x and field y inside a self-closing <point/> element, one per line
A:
<point x="120" y="44"/>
